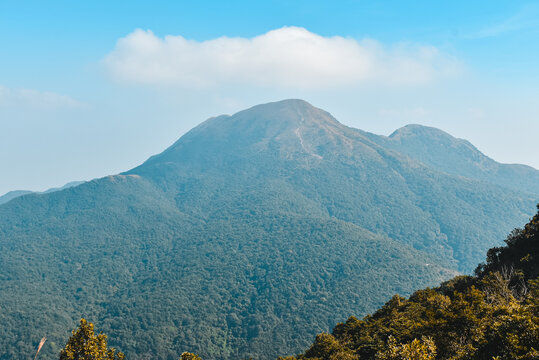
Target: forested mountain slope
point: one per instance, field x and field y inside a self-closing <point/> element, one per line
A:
<point x="246" y="237"/>
<point x="493" y="315"/>
<point x="289" y="156"/>
<point x="162" y="281"/>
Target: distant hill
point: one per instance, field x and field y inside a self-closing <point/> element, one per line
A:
<point x="246" y="237"/>
<point x="16" y="193"/>
<point x="12" y="195"/>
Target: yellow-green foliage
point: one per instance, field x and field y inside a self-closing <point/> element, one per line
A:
<point x="326" y="347"/>
<point x="189" y="356"/>
<point x="85" y="345"/>
<point x="423" y="349"/>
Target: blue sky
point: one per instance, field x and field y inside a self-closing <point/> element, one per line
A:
<point x="78" y="101"/>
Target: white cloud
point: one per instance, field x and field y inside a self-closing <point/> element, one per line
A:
<point x="286" y="57"/>
<point x="29" y="98"/>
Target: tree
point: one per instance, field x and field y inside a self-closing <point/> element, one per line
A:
<point x="85" y="345"/>
<point x="189" y="356"/>
<point x="326" y="347"/>
<point x="423" y="349"/>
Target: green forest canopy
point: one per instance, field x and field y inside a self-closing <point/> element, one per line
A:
<point x="493" y="315"/>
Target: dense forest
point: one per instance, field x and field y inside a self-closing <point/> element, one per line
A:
<point x="493" y="315"/>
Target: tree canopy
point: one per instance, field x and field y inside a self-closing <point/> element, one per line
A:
<point x="493" y="315"/>
<point x="84" y="344"/>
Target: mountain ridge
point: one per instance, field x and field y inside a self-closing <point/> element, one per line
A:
<point x="16" y="193"/>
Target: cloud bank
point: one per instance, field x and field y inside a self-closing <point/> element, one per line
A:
<point x="286" y="57"/>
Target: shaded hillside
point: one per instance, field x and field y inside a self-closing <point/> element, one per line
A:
<point x="494" y="315"/>
<point x="247" y="236"/>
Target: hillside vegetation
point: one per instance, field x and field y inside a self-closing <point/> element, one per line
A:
<point x="162" y="282"/>
<point x="493" y="315"/>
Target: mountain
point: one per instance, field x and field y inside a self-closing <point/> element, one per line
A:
<point x="16" y="193"/>
<point x="12" y="195"/>
<point x="246" y="237"/>
<point x="320" y="166"/>
<point x="443" y="152"/>
<point x="66" y="186"/>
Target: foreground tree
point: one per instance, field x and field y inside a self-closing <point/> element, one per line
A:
<point x="423" y="349"/>
<point x="85" y="345"/>
<point x="189" y="356"/>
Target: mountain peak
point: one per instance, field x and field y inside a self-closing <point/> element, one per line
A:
<point x="423" y="137"/>
<point x="292" y="112"/>
<point x="455" y="156"/>
<point x="416" y="130"/>
<point x="285" y="103"/>
<point x="266" y="120"/>
<point x="293" y="128"/>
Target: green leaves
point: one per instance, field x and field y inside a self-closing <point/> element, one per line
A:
<point x="189" y="356"/>
<point x="85" y="345"/>
<point x="423" y="349"/>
